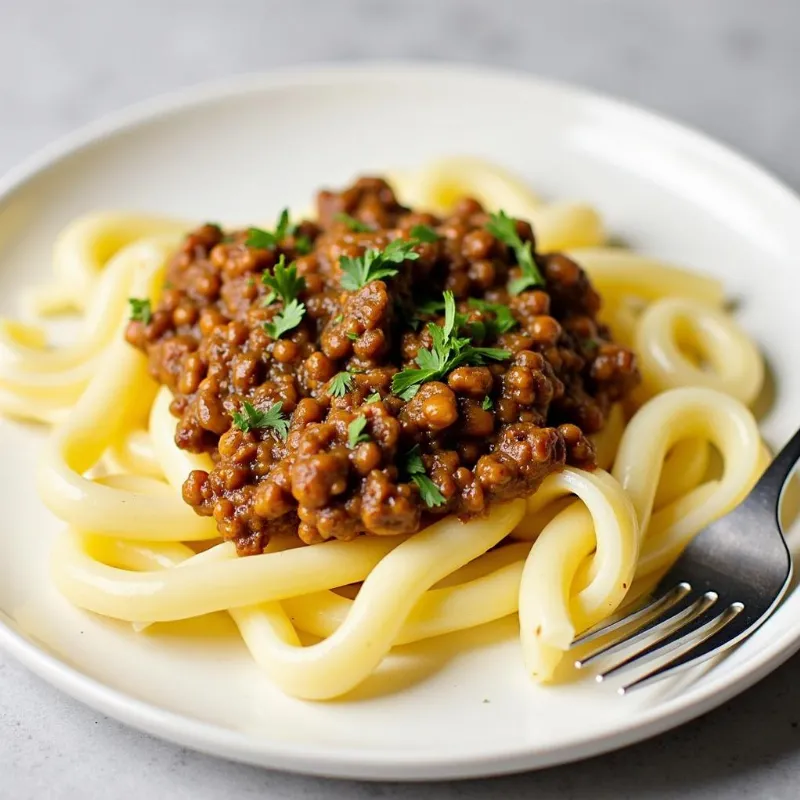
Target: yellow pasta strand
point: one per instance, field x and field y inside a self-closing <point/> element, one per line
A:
<point x="605" y="523"/>
<point x="738" y="369"/>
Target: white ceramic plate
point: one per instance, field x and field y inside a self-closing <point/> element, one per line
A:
<point x="241" y="151"/>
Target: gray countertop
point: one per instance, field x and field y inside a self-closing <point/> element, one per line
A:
<point x="728" y="67"/>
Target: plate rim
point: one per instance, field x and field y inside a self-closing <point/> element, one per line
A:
<point x="374" y="764"/>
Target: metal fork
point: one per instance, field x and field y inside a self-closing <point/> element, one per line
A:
<point x="726" y="583"/>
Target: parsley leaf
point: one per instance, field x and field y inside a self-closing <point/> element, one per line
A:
<point x="430" y="306"/>
<point x="288" y="318"/>
<point x="261" y="239"/>
<point x="591" y="343"/>
<point x="355" y="225"/>
<point x="303" y="245"/>
<point x="251" y="417"/>
<point x="340" y="384"/>
<point x="337" y="319"/>
<point x="283" y="227"/>
<point x="284" y="282"/>
<point x="141" y="310"/>
<point x="448" y="351"/>
<point x="400" y="250"/>
<point x="502" y="227"/>
<point x="428" y="490"/>
<point x="375" y="264"/>
<point x="266" y="240"/>
<point x="352" y="336"/>
<point x="285" y="285"/>
<point x="427" y="307"/>
<point x="424" y="233"/>
<point x="504" y="320"/>
<point x="355" y="432"/>
<point x="487" y="404"/>
<point x="373" y="398"/>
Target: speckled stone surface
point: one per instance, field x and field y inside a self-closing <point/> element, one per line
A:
<point x="728" y="67"/>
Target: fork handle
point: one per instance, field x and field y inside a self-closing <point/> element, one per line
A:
<point x="770" y="485"/>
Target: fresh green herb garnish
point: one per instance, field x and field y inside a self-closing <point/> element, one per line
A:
<point x="430" y="306"/>
<point x="503" y="318"/>
<point x="375" y="264"/>
<point x="424" y="233"/>
<point x="447" y="352"/>
<point x="428" y="490"/>
<point x="355" y="225"/>
<point x="355" y="432"/>
<point x="303" y="245"/>
<point x="261" y="239"/>
<point x="141" y="310"/>
<point x="251" y="417"/>
<point x="285" y="285"/>
<point x="337" y="319"/>
<point x="424" y="308"/>
<point x="373" y="398"/>
<point x="487" y="404"/>
<point x="352" y="336"/>
<point x="340" y="384"/>
<point x="266" y="240"/>
<point x="288" y="318"/>
<point x="502" y="227"/>
<point x="592" y="343"/>
<point x="284" y="282"/>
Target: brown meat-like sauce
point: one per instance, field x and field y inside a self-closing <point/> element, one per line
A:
<point x="206" y="341"/>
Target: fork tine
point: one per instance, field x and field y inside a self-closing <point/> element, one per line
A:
<point x="725" y="635"/>
<point x="646" y="607"/>
<point x="699" y="622"/>
<point x="686" y="607"/>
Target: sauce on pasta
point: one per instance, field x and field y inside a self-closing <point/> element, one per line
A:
<point x="536" y="372"/>
<point x="298" y="349"/>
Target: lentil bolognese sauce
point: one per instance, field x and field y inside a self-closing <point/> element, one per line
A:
<point x="432" y="403"/>
<point x="377" y="369"/>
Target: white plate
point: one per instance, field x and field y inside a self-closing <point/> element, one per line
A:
<point x="239" y="152"/>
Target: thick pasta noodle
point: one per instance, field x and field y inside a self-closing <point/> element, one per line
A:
<point x="563" y="558"/>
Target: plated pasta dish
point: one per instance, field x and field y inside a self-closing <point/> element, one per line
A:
<point x="431" y="403"/>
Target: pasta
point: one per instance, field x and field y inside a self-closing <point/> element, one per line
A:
<point x="563" y="558"/>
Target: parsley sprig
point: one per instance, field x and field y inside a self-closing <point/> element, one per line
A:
<point x="340" y="384"/>
<point x="267" y="240"/>
<point x="290" y="317"/>
<point x="284" y="282"/>
<point x="303" y="245"/>
<point x="251" y="417"/>
<point x="448" y="351"/>
<point x="502" y="227"/>
<point x="415" y="469"/>
<point x="355" y="432"/>
<point x="424" y="233"/>
<point x="141" y="310"/>
<point x="355" y="225"/>
<point x="503" y="321"/>
<point x="285" y="285"/>
<point x="376" y="264"/>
